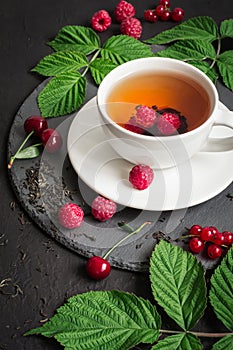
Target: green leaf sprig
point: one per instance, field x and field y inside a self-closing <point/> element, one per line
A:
<point x="193" y="41"/>
<point x="77" y="51"/>
<point x="116" y="320"/>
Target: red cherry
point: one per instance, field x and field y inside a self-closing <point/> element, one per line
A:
<point x="195" y="230"/>
<point x="165" y="3"/>
<point x="51" y="140"/>
<point x="196" y="245"/>
<point x="177" y="14"/>
<point x="35" y="123"/>
<point x="166" y="15"/>
<point x="228" y="237"/>
<point x="98" y="268"/>
<point x="214" y="251"/>
<point x="150" y="16"/>
<point x="160" y="10"/>
<point x="207" y="233"/>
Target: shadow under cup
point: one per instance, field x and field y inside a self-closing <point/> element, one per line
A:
<point x="157" y="151"/>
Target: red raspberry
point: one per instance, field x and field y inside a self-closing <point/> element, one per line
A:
<point x="145" y="116"/>
<point x="102" y="208"/>
<point x="141" y="176"/>
<point x="70" y="215"/>
<point x="168" y="123"/>
<point x="124" y="10"/>
<point x="101" y="20"/>
<point x="131" y="27"/>
<point x="131" y="125"/>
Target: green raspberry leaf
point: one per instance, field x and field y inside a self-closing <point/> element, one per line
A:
<point x="185" y="341"/>
<point x="224" y="344"/>
<point x="197" y="28"/>
<point x="62" y="95"/>
<point x="221" y="290"/>
<point x="225" y="66"/>
<point x="28" y="153"/>
<point x="226" y="28"/>
<point x="205" y="68"/>
<point x="102" y="321"/>
<point x="189" y="49"/>
<point x="77" y="38"/>
<point x="123" y="48"/>
<point x="178" y="284"/>
<point x="100" y="68"/>
<point x="61" y="62"/>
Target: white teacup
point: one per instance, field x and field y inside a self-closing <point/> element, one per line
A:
<point x="162" y="151"/>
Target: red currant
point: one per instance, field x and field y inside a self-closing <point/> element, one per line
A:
<point x="196" y="245"/>
<point x="218" y="238"/>
<point x="35" y="123"/>
<point x="98" y="268"/>
<point x="207" y="233"/>
<point x="159" y="10"/>
<point x="228" y="237"/>
<point x="177" y="14"/>
<point x="51" y="140"/>
<point x="150" y="16"/>
<point x="214" y="251"/>
<point x="166" y="15"/>
<point x="195" y="230"/>
<point x="165" y="3"/>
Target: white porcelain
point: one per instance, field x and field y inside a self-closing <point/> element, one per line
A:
<point x="166" y="151"/>
<point x="104" y="171"/>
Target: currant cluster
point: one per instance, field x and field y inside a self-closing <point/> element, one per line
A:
<point x="164" y="12"/>
<point x="210" y="239"/>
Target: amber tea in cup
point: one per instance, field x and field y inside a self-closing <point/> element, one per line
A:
<point x="162" y="91"/>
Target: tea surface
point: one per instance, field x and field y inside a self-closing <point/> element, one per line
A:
<point x="162" y="90"/>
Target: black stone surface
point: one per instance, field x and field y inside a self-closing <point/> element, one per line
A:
<point x="36" y="261"/>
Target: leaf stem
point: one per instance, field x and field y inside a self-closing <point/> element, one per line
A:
<point x="200" y="334"/>
<point x="124" y="238"/>
<point x="92" y="59"/>
<point x="19" y="149"/>
<point x="217" y="52"/>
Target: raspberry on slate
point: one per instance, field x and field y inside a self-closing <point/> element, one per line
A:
<point x="131" y="125"/>
<point x="101" y="20"/>
<point x="70" y="215"/>
<point x="124" y="10"/>
<point x="145" y="116"/>
<point x="132" y="27"/>
<point x="168" y="123"/>
<point x="141" y="176"/>
<point x="102" y="208"/>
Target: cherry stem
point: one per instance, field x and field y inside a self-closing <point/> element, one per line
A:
<point x="19" y="149"/>
<point x="200" y="334"/>
<point x="126" y="237"/>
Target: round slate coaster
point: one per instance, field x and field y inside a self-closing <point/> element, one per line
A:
<point x="42" y="185"/>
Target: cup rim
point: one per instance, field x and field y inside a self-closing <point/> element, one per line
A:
<point x="123" y="66"/>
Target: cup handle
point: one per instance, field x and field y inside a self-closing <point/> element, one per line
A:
<point x="223" y="144"/>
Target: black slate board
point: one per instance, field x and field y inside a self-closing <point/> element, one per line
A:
<point x="94" y="238"/>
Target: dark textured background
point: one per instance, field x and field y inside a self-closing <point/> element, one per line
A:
<point x="42" y="271"/>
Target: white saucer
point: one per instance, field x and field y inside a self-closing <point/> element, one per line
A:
<point x="96" y="163"/>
